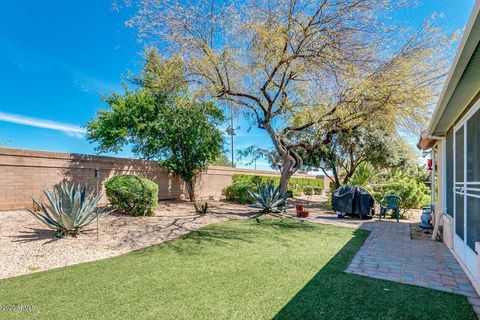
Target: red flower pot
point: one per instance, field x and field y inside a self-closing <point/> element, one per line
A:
<point x="299" y="208"/>
<point x="304" y="214"/>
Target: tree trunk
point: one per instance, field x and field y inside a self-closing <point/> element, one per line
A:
<point x="347" y="177"/>
<point x="190" y="186"/>
<point x="291" y="161"/>
<point x="351" y="171"/>
<point x="285" y="175"/>
<point x="337" y="183"/>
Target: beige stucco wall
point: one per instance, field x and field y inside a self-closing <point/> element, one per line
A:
<point x="448" y="231"/>
<point x="440" y="204"/>
<point x="24" y="173"/>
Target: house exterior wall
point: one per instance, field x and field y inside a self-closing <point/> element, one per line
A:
<point x="448" y="183"/>
<point x="24" y="173"/>
<point x="448" y="231"/>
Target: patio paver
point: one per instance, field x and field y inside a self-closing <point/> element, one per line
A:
<point x="389" y="253"/>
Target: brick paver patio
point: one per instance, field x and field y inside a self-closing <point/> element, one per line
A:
<point x="389" y="253"/>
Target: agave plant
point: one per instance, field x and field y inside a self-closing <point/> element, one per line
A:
<point x="269" y="198"/>
<point x="70" y="209"/>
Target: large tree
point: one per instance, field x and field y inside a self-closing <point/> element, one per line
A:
<point x="223" y="161"/>
<point x="340" y="158"/>
<point x="295" y="64"/>
<point x="160" y="122"/>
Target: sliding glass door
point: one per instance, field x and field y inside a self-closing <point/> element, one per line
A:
<point x="466" y="157"/>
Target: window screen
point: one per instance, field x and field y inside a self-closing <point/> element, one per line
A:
<point x="473" y="177"/>
<point x="459" y="175"/>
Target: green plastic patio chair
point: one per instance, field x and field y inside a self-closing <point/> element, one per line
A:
<point x="390" y="202"/>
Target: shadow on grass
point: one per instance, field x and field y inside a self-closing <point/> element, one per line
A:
<point x="227" y="235"/>
<point x="334" y="294"/>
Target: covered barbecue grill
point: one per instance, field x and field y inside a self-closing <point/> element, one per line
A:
<point x="353" y="201"/>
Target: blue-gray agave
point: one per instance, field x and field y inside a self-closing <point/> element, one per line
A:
<point x="269" y="198"/>
<point x="70" y="209"/>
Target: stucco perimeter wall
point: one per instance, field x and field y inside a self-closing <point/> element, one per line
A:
<point x="24" y="173"/>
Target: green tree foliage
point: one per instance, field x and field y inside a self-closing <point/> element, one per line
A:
<point x="191" y="140"/>
<point x="159" y="121"/>
<point x="365" y="175"/>
<point x="340" y="158"/>
<point x="222" y="160"/>
<point x="407" y="181"/>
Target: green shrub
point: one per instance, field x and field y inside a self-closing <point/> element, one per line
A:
<point x="318" y="191"/>
<point x="414" y="194"/>
<point x="132" y="195"/>
<point x="238" y="192"/>
<point x="308" y="190"/>
<point x="242" y="183"/>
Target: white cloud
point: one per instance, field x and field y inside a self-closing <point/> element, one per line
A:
<point x="91" y="85"/>
<point x="68" y="129"/>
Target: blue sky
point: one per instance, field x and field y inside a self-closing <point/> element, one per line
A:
<point x="58" y="57"/>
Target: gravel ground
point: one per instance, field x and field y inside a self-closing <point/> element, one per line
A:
<point x="27" y="246"/>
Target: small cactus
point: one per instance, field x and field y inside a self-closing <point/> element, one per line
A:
<point x="201" y="207"/>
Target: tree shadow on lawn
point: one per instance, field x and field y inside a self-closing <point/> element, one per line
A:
<point x="334" y="294"/>
<point x="227" y="235"/>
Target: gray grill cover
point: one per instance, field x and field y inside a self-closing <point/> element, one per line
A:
<point x="353" y="201"/>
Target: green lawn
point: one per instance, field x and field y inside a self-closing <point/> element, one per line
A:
<point x="281" y="269"/>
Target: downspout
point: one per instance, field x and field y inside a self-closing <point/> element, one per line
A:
<point x="432" y="181"/>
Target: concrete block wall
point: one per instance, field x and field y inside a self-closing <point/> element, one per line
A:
<point x="24" y="173"/>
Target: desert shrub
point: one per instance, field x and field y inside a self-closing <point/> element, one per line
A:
<point x="328" y="202"/>
<point x="242" y="183"/>
<point x="238" y="192"/>
<point x="308" y="190"/>
<point x="414" y="194"/>
<point x="132" y="195"/>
